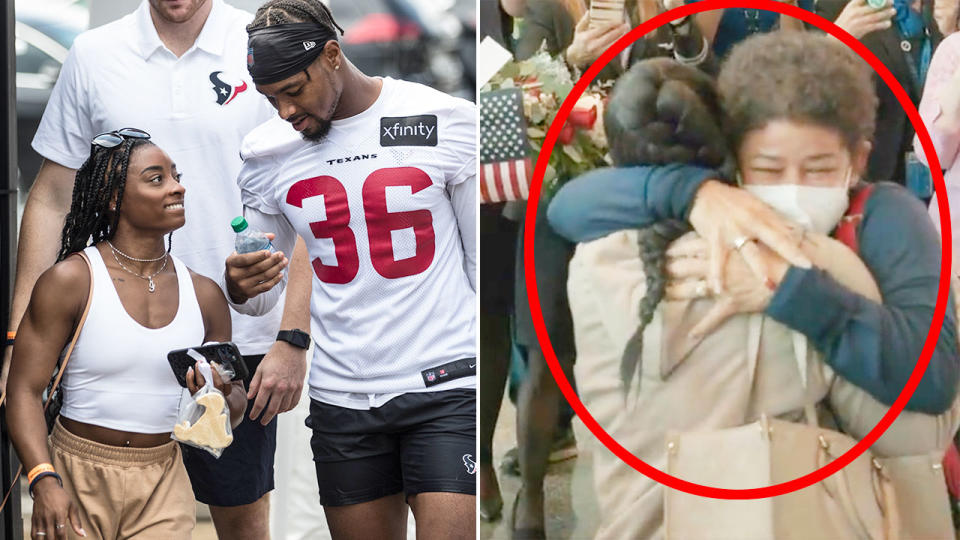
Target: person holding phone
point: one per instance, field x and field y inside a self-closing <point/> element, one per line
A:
<point x="565" y="27"/>
<point x="903" y="35"/>
<point x="110" y="469"/>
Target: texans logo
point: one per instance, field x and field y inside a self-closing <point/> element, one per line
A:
<point x="225" y="92"/>
<point x="469" y="464"/>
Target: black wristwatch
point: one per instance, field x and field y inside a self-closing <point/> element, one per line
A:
<point x="295" y="337"/>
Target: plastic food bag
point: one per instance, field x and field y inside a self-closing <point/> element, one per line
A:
<point x="204" y="418"/>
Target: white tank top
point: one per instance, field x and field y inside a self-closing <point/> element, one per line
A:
<point x="118" y="376"/>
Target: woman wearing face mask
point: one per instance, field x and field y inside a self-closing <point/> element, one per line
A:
<point x="798" y="113"/>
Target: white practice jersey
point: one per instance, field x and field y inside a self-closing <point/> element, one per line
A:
<point x="392" y="305"/>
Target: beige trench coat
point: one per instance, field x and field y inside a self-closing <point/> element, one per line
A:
<point x="703" y="384"/>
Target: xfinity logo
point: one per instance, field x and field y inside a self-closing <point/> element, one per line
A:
<point x="409" y="130"/>
<point x="307" y="45"/>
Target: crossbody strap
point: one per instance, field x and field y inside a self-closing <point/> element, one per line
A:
<point x="846" y="231"/>
<point x="76" y="334"/>
<point x="63" y="367"/>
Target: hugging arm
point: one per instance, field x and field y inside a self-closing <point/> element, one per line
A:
<point x="603" y="201"/>
<point x="876" y="345"/>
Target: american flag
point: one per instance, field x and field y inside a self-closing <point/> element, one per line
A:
<point x="505" y="165"/>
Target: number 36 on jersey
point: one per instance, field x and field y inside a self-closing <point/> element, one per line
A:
<point x="334" y="223"/>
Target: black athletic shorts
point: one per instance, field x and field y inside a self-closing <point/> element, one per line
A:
<point x="244" y="472"/>
<point x="415" y="443"/>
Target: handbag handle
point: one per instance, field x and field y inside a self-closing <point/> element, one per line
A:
<point x="63" y="367"/>
<point x="76" y="333"/>
<point x="883" y="491"/>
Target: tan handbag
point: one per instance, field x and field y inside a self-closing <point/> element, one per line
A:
<point x="856" y="502"/>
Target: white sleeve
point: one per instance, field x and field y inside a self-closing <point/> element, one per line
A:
<point x="458" y="142"/>
<point x="66" y="129"/>
<point x="285" y="239"/>
<point x="463" y="196"/>
<point x="257" y="174"/>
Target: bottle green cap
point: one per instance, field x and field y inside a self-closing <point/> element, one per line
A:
<point x="877" y="4"/>
<point x="239" y="224"/>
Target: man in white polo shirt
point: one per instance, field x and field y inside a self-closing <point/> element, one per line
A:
<point x="177" y="69"/>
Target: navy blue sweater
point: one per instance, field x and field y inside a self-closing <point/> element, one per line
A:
<point x="875" y="346"/>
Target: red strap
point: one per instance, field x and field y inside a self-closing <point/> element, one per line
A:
<point x="951" y="470"/>
<point x="847" y="229"/>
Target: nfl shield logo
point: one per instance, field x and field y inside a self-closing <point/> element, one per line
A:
<point x="430" y="376"/>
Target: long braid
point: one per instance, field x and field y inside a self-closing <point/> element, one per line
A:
<point x="90" y="219"/>
<point x="661" y="112"/>
<point x="653" y="242"/>
<point x="293" y="11"/>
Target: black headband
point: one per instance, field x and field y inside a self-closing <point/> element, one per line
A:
<point x="282" y="50"/>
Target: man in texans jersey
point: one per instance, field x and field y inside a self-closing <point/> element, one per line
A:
<point x="378" y="176"/>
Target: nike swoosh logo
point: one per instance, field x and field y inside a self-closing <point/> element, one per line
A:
<point x="472" y="365"/>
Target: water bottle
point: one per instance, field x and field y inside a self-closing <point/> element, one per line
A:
<point x="249" y="240"/>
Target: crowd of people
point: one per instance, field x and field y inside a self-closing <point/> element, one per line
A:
<point x="372" y="264"/>
<point x="761" y="248"/>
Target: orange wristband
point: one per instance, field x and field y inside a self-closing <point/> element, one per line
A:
<point x="12" y="334"/>
<point x="41" y="468"/>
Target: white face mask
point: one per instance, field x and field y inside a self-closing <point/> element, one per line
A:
<point x="814" y="208"/>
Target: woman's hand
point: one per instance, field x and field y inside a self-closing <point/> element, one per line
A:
<point x="859" y="19"/>
<point x="730" y="218"/>
<point x="589" y="43"/>
<point x="687" y="270"/>
<point x="236" y="401"/>
<point x="195" y="381"/>
<point x="52" y="508"/>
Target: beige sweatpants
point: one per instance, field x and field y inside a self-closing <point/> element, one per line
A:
<point x="141" y="493"/>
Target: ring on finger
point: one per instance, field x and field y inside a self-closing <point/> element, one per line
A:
<point x="60" y="525"/>
<point x="701" y="289"/>
<point x="740" y="241"/>
<point x="40" y="533"/>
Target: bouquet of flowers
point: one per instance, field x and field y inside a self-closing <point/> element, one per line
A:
<point x="545" y="81"/>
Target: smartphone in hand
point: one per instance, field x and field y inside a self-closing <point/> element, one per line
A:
<point x="606" y="13"/>
<point x="226" y="354"/>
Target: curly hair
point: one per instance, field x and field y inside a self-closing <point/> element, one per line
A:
<point x="101" y="176"/>
<point x="798" y="76"/>
<point x="662" y="112"/>
<point x="293" y="11"/>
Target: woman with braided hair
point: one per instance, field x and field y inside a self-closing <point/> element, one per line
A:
<point x="565" y="27"/>
<point x="829" y="329"/>
<point x="110" y="467"/>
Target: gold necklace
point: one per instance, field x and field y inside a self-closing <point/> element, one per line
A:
<point x="151" y="287"/>
<point x="113" y="247"/>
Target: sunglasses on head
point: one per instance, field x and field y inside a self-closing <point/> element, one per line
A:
<point x="112" y="139"/>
